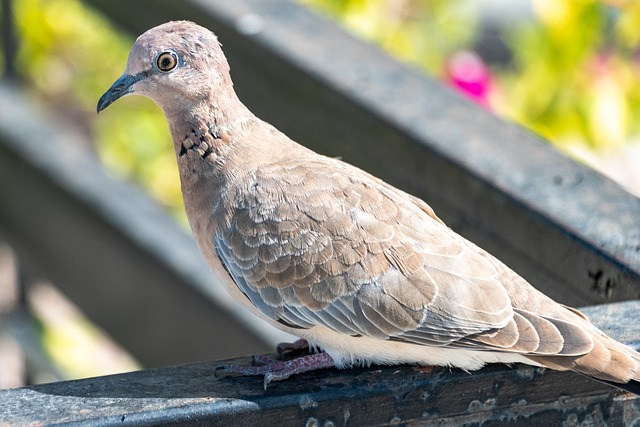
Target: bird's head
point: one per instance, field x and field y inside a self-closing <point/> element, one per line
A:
<point x="177" y="65"/>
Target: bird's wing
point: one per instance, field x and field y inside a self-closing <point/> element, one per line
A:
<point x="322" y="245"/>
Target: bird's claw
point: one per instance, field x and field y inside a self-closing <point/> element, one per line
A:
<point x="276" y="370"/>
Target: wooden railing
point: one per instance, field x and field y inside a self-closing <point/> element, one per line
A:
<point x="573" y="233"/>
<point x="193" y="395"/>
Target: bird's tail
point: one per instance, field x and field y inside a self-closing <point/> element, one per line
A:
<point x="610" y="362"/>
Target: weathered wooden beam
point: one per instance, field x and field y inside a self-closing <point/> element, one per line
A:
<point x="571" y="232"/>
<point x="194" y="395"/>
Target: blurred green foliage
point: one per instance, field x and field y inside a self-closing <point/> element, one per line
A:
<point x="424" y="32"/>
<point x="70" y="55"/>
<point x="573" y="77"/>
<point x="574" y="73"/>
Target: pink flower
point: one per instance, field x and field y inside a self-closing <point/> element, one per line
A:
<point x="468" y="74"/>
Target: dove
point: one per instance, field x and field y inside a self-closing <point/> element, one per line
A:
<point x="362" y="272"/>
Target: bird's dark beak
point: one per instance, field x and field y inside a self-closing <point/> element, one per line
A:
<point x="121" y="87"/>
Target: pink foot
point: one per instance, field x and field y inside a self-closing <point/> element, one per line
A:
<point x="276" y="370"/>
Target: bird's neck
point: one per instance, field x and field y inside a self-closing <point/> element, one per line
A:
<point x="205" y="130"/>
<point x="203" y="139"/>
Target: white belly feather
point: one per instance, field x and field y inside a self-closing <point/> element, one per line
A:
<point x="347" y="351"/>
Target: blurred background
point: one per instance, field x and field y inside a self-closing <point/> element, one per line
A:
<point x="567" y="69"/>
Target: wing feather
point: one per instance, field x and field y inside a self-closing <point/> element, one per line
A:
<point x="362" y="258"/>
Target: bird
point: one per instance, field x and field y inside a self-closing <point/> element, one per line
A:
<point x="362" y="272"/>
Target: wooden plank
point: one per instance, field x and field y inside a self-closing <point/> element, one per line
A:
<point x="194" y="395"/>
<point x="571" y="232"/>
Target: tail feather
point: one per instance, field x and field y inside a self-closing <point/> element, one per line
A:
<point x="632" y="386"/>
<point x="609" y="362"/>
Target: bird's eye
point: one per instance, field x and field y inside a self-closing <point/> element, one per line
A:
<point x="167" y="61"/>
